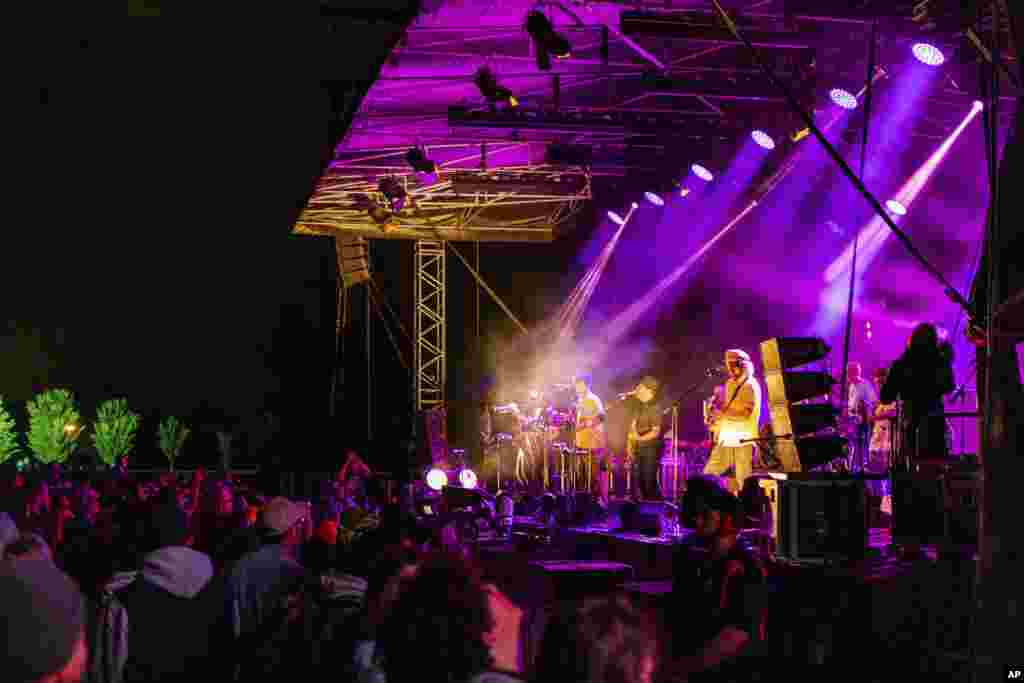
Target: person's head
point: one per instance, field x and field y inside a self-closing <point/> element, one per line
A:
<point x="582" y="384"/>
<point x="8" y="531"/>
<point x="28" y="546"/>
<point x="38" y="499"/>
<point x="600" y="640"/>
<point x="280" y="521"/>
<point x="647" y="389"/>
<point x="924" y="337"/>
<point x="717" y="517"/>
<point x="442" y="613"/>
<point x="738" y="364"/>
<point x="879" y="376"/>
<point x="854" y="372"/>
<point x="166" y="526"/>
<point x="42" y="624"/>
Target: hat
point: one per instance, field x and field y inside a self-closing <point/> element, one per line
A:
<point x="41" y="622"/>
<point x="280" y="515"/>
<point x="328" y="532"/>
<point x="168" y="526"/>
<point x="739" y="353"/>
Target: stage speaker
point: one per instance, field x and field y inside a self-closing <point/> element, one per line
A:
<point x="352" y="263"/>
<point x="822" y="518"/>
<point x="788" y="392"/>
<point x="642" y="518"/>
<point x="936" y="509"/>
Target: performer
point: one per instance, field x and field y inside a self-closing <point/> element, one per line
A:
<point x="737" y="420"/>
<point x="880" y="448"/>
<point x="590" y="417"/>
<point x="645" y="433"/>
<point x="860" y="403"/>
<point x="921" y="377"/>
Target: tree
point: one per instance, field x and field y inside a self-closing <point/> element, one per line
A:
<point x="9" y="446"/>
<point x="171" y="437"/>
<point x="115" y="430"/>
<point x="54" y="426"/>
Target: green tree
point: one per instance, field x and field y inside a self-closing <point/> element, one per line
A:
<point x="115" y="430"/>
<point x="9" y="446"/>
<point x="171" y="437"/>
<point x="54" y="425"/>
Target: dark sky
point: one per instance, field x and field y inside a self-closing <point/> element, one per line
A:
<point x="157" y="170"/>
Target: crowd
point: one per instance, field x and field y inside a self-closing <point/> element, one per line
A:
<point x="171" y="578"/>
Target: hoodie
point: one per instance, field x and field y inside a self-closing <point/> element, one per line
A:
<point x="174" y="592"/>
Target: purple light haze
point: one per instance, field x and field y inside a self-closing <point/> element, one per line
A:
<point x="843" y="98"/>
<point x="763" y="139"/>
<point x="928" y="54"/>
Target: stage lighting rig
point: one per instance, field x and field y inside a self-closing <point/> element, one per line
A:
<point x="546" y="41"/>
<point x="418" y="161"/>
<point x="796" y="423"/>
<point x="492" y="91"/>
<point x="393" y="191"/>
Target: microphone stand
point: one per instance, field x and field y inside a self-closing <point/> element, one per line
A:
<point x="674" y="408"/>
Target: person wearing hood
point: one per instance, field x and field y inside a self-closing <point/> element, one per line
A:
<point x="164" y="622"/>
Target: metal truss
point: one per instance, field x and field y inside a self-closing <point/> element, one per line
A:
<point x="431" y="345"/>
<point x="511" y="204"/>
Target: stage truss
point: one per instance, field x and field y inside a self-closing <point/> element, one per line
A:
<point x="431" y="355"/>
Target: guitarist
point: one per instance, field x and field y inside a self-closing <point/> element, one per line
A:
<point x="645" y="437"/>
<point x="590" y="436"/>
<point x="737" y="421"/>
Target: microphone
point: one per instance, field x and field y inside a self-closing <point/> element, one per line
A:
<point x="623" y="396"/>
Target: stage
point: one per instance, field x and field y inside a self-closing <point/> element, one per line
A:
<point x="909" y="614"/>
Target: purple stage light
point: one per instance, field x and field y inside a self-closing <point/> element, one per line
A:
<point x="616" y="218"/>
<point x="763" y="139"/>
<point x="635" y="205"/>
<point x="928" y="54"/>
<point x="979" y="105"/>
<point x="702" y="173"/>
<point x="654" y="199"/>
<point x="896" y="207"/>
<point x="842" y="98"/>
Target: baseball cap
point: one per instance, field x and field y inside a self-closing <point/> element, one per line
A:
<point x="650" y="382"/>
<point x="738" y="353"/>
<point x="280" y="515"/>
<point x="42" y="619"/>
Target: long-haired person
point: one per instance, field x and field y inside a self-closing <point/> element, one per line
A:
<point x="600" y="640"/>
<point x="920" y="378"/>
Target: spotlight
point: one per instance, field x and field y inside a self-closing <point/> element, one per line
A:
<point x="979" y="105"/>
<point x="419" y="162"/>
<point x="467" y="478"/>
<point x="635" y="205"/>
<point x="616" y="218"/>
<point x="763" y="139"/>
<point x="491" y="90"/>
<point x="437" y="479"/>
<point x="896" y="207"/>
<point x="799" y="135"/>
<point x="842" y="98"/>
<point x="928" y="54"/>
<point x="393" y="191"/>
<point x="683" y="191"/>
<point x="654" y="199"/>
<point x="702" y="173"/>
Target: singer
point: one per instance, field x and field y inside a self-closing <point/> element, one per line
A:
<point x="737" y="421"/>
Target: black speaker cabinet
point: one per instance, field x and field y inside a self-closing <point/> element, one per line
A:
<point x="936" y="509"/>
<point x="822" y="518"/>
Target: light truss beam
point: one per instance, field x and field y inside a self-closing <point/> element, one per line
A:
<point x="431" y="342"/>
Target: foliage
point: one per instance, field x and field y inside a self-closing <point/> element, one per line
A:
<point x="115" y="430"/>
<point x="54" y="425"/>
<point x="9" y="446"/>
<point x="171" y="437"/>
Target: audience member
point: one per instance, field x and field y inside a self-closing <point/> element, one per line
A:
<point x="718" y="594"/>
<point x="601" y="640"/>
<point x="28" y="546"/>
<point x="42" y="625"/>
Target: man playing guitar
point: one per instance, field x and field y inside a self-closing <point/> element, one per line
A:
<point x="590" y="434"/>
<point x="645" y="437"/>
<point x="737" y="422"/>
